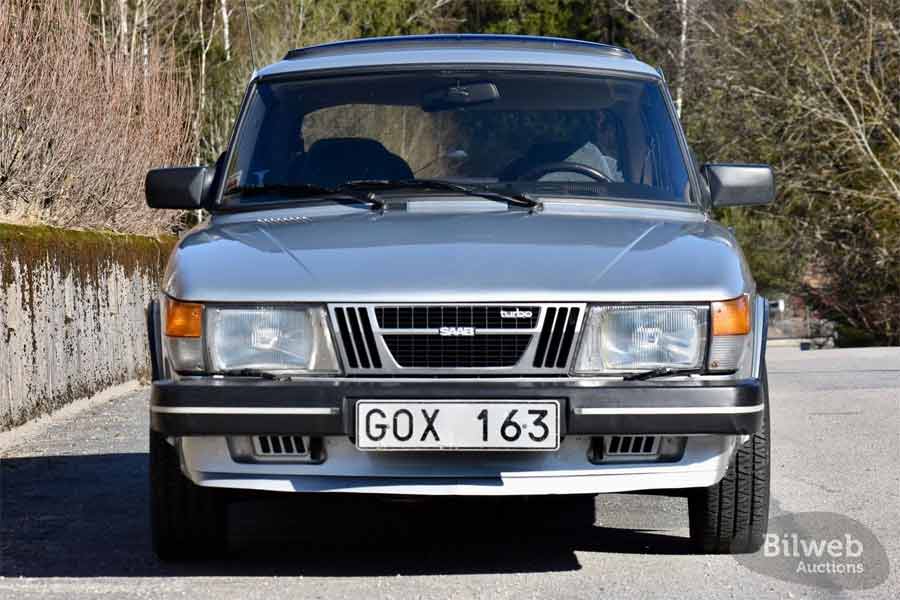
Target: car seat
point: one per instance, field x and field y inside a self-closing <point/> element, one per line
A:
<point x="333" y="161"/>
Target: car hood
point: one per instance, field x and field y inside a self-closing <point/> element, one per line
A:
<point x="564" y="253"/>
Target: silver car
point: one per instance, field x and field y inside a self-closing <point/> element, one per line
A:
<point x="458" y="265"/>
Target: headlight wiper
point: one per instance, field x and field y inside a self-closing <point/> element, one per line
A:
<point x="252" y="373"/>
<point x="520" y="199"/>
<point x="660" y="372"/>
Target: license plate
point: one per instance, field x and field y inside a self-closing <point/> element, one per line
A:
<point x="457" y="425"/>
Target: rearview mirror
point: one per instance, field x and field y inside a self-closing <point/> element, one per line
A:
<point x="460" y="96"/>
<point x="178" y="187"/>
<point x="740" y="185"/>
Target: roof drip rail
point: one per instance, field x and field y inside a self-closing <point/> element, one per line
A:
<point x="443" y="40"/>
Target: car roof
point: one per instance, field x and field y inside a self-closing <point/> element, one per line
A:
<point x="463" y="49"/>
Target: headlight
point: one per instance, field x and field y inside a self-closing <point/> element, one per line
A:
<point x="638" y="338"/>
<point x="215" y="339"/>
<point x="269" y="339"/>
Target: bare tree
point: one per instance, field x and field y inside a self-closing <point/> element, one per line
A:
<point x="675" y="39"/>
<point x="206" y="38"/>
<point x="226" y="28"/>
<point x="78" y="135"/>
<point x="681" y="63"/>
<point x="428" y="12"/>
<point x="123" y="26"/>
<point x="813" y="87"/>
<point x="145" y="32"/>
<point x="103" y="22"/>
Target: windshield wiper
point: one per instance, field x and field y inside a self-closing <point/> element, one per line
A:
<point x="298" y="190"/>
<point x="519" y="199"/>
<point x="661" y="372"/>
<point x="304" y="190"/>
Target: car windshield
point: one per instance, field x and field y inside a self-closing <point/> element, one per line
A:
<point x="512" y="132"/>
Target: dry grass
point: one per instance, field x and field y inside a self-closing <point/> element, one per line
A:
<point x="81" y="124"/>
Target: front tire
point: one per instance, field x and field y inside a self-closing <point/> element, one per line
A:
<point x="187" y="521"/>
<point x="732" y="517"/>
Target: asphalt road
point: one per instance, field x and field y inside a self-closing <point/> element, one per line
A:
<point x="73" y="516"/>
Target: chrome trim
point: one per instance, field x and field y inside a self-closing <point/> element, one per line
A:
<point x="390" y="366"/>
<point x="585" y="381"/>
<point x="434" y="330"/>
<point x="240" y="410"/>
<point x="672" y="410"/>
<point x="760" y="324"/>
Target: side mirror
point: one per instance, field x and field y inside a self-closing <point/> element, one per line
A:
<point x="740" y="185"/>
<point x="179" y="187"/>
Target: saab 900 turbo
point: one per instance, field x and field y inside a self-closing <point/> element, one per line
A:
<point x="458" y="265"/>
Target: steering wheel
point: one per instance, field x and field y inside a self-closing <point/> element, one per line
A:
<point x="563" y="167"/>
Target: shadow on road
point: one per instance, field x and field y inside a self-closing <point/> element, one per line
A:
<point x="87" y="516"/>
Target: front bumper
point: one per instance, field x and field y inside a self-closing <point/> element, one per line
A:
<point x="208" y="461"/>
<point x="325" y="406"/>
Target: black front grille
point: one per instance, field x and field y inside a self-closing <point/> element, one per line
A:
<point x="556" y="338"/>
<point x="357" y="338"/>
<point x="479" y="317"/>
<point x="447" y="352"/>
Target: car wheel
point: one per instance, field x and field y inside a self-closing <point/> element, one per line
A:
<point x="187" y="521"/>
<point x="732" y="516"/>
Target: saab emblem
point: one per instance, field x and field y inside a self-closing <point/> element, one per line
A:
<point x="458" y="331"/>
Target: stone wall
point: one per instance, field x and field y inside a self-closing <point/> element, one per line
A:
<point x="71" y="314"/>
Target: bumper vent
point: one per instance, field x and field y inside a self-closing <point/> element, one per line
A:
<point x="635" y="448"/>
<point x="555" y="343"/>
<point x="293" y="446"/>
<point x="631" y="445"/>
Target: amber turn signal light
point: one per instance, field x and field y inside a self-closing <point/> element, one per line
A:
<point x="183" y="319"/>
<point x="731" y="317"/>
